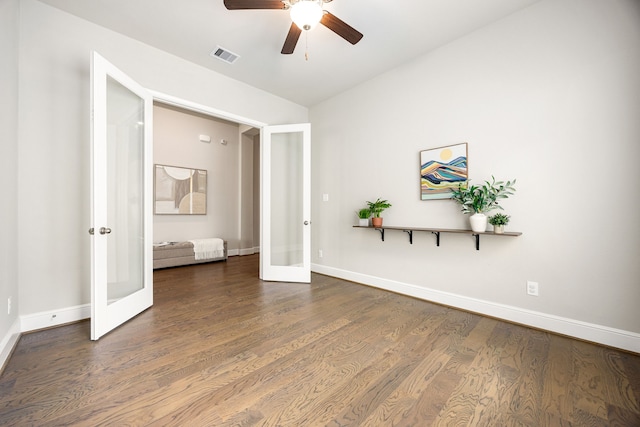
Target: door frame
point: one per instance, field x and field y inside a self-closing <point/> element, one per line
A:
<point x="214" y="112"/>
<point x="204" y="109"/>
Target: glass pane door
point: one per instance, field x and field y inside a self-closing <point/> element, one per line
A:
<point x="121" y="215"/>
<point x="285" y="181"/>
<point x="125" y="191"/>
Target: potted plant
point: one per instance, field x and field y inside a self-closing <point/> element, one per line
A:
<point x="478" y="200"/>
<point x="363" y="215"/>
<point x="498" y="221"/>
<point x="376" y="209"/>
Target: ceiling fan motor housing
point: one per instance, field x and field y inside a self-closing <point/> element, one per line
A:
<point x="306" y="13"/>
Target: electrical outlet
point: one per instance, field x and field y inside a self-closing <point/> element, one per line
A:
<point x="532" y="288"/>
<point x="9" y="305"/>
<point x="319" y="253"/>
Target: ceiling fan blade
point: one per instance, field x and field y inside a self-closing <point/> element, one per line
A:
<point x="341" y="28"/>
<point x="253" y="4"/>
<point x="291" y="40"/>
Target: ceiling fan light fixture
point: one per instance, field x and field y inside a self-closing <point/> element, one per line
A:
<point x="306" y="14"/>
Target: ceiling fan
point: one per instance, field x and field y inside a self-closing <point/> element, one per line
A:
<point x="305" y="14"/>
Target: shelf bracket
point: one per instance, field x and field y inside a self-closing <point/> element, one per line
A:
<point x="410" y="233"/>
<point x="437" y="233"/>
<point x="477" y="236"/>
<point x="381" y="230"/>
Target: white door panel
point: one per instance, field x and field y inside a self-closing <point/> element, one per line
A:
<point x="286" y="203"/>
<point x="121" y="215"/>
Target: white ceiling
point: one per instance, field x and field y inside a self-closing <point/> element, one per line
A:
<point x="394" y="33"/>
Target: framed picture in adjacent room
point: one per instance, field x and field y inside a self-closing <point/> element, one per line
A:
<point x="180" y="191"/>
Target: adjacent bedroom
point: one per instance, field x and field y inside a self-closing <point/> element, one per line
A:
<point x="206" y="188"/>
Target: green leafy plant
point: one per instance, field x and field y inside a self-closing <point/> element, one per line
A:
<point x="484" y="198"/>
<point x="363" y="213"/>
<point x="378" y="206"/>
<point x="499" y="219"/>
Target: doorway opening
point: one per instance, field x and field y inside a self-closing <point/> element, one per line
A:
<point x="230" y="153"/>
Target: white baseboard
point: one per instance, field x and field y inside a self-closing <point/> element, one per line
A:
<point x="612" y="337"/>
<point x="249" y="251"/>
<point x="8" y="342"/>
<point x="47" y="319"/>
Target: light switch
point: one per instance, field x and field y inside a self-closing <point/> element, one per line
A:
<point x="325" y="197"/>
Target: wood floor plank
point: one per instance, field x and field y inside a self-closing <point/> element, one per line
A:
<point x="618" y="387"/>
<point x="632" y="373"/>
<point x="355" y="352"/>
<point x="527" y="399"/>
<point x="474" y="393"/>
<point x="557" y="398"/>
<point x="434" y="377"/>
<point x="222" y="348"/>
<point x="589" y="390"/>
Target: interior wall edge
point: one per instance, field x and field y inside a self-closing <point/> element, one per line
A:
<point x="9" y="342"/>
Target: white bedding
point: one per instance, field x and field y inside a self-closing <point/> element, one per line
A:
<point x="208" y="248"/>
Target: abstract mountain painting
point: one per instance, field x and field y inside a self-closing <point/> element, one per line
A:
<point x="441" y="169"/>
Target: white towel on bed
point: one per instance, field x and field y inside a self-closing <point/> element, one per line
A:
<point x="208" y="248"/>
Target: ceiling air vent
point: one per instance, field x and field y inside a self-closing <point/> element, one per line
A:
<point x="224" y="55"/>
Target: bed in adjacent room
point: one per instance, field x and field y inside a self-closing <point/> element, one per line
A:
<point x="173" y="254"/>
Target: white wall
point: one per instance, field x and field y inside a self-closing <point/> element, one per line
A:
<point x="176" y="143"/>
<point x="550" y="96"/>
<point x="53" y="153"/>
<point x="9" y="15"/>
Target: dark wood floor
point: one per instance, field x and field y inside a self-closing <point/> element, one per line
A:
<point x="221" y="348"/>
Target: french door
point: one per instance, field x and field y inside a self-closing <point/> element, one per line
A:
<point x="121" y="215"/>
<point x="285" y="253"/>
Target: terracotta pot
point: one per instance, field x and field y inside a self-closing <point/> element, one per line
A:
<point x="376" y="222"/>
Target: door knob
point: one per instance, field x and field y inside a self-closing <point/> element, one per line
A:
<point x="91" y="231"/>
<point x="306" y="223"/>
<point x="105" y="230"/>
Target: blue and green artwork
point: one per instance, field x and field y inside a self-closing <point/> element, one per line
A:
<point x="442" y="169"/>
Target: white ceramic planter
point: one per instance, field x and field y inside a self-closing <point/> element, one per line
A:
<point x="498" y="229"/>
<point x="478" y="222"/>
<point x="363" y="222"/>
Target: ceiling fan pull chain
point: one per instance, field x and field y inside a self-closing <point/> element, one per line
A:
<point x="306" y="45"/>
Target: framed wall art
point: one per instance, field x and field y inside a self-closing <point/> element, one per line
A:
<point x="442" y="169"/>
<point x="180" y="191"/>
